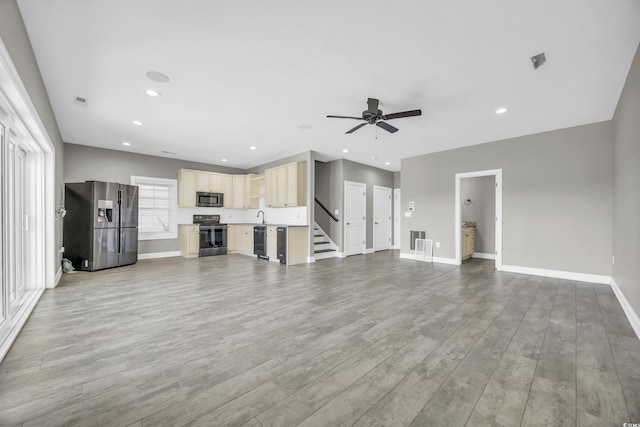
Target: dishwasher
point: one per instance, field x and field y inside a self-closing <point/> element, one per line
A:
<point x="260" y="241"/>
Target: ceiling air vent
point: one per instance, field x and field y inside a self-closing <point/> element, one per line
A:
<point x="538" y="60"/>
<point x="80" y="101"/>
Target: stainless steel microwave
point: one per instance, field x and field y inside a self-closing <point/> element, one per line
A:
<point x="209" y="200"/>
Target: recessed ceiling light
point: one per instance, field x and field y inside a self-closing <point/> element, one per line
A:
<point x="157" y="76"/>
<point x="252" y="148"/>
<point x="501" y="110"/>
<point x="225" y="160"/>
<point x="137" y="122"/>
<point x="345" y="150"/>
<point x="387" y="163"/>
<point x="152" y="92"/>
<point x="126" y="143"/>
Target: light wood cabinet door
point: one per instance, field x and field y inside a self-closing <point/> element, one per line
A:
<point x="271" y="188"/>
<point x="186" y="188"/>
<point x="238" y="191"/>
<point x="272" y="243"/>
<point x="227" y="191"/>
<point x="468" y="242"/>
<point x="282" y="186"/>
<point x="246" y="240"/>
<point x="286" y="185"/>
<point x="216" y="183"/>
<point x="202" y="181"/>
<point x="189" y="241"/>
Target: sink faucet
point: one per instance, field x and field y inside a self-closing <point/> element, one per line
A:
<point x="258" y="216"/>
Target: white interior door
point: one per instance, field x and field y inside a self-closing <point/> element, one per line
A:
<point x="396" y="218"/>
<point x="355" y="202"/>
<point x="381" y="218"/>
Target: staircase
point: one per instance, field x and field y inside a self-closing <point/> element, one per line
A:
<point x="323" y="247"/>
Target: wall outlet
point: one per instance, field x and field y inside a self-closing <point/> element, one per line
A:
<point x="437" y="244"/>
<point x="61" y="250"/>
<point x="336" y="212"/>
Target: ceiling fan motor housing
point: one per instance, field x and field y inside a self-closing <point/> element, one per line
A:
<point x="370" y="117"/>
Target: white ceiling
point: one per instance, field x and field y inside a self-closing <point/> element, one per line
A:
<point x="252" y="72"/>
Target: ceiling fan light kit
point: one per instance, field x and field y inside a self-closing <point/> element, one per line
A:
<point x="374" y="116"/>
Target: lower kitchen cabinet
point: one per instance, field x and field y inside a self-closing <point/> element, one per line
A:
<point x="272" y="243"/>
<point x="240" y="239"/>
<point x="189" y="240"/>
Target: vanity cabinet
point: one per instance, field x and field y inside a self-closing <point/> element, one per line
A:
<point x="468" y="244"/>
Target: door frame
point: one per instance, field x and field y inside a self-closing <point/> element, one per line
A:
<point x="364" y="220"/>
<point x="458" y="213"/>
<point x="397" y="196"/>
<point x="390" y="191"/>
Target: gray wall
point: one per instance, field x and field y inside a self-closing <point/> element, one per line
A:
<point x="482" y="210"/>
<point x="14" y="36"/>
<point x="83" y="163"/>
<point x="556" y="197"/>
<point x="626" y="188"/>
<point x="330" y="190"/>
<point x="397" y="179"/>
<point x="330" y="179"/>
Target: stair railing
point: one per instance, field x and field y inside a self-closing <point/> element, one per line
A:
<point x="332" y="216"/>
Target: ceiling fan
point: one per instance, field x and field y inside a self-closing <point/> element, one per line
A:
<point x="373" y="116"/>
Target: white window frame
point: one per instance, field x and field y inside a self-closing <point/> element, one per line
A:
<point x="173" y="207"/>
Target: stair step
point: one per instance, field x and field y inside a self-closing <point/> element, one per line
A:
<point x="321" y="243"/>
<point x="320" y="251"/>
<point x="318" y="235"/>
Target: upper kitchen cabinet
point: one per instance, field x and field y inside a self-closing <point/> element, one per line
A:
<point x="187" y="188"/>
<point x="242" y="192"/>
<point x="286" y="185"/>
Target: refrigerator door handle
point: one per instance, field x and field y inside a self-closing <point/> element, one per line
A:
<point x="119" y="221"/>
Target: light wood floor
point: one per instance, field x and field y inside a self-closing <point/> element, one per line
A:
<point x="366" y="341"/>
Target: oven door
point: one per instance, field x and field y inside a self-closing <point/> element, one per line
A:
<point x="213" y="240"/>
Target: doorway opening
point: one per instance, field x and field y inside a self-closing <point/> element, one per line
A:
<point x="468" y="189"/>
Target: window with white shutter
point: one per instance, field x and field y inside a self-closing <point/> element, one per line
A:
<point x="157" y="207"/>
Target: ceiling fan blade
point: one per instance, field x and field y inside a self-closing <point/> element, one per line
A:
<point x="345" y="117"/>
<point x="373" y="105"/>
<point x="411" y="113"/>
<point x="387" y="127"/>
<point x="356" y="128"/>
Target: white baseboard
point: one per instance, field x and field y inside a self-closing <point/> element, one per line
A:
<point x="558" y="274"/>
<point x="482" y="255"/>
<point x="154" y="255"/>
<point x="628" y="310"/>
<point x="311" y="259"/>
<point x="341" y="255"/>
<point x="439" y="260"/>
<point x="56" y="279"/>
<point x="369" y="251"/>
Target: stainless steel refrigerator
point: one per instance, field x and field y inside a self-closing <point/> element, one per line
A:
<point x="101" y="225"/>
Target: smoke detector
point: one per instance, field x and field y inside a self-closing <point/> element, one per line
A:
<point x="80" y="101"/>
<point x="538" y="60"/>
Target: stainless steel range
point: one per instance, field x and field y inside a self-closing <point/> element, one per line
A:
<point x="213" y="235"/>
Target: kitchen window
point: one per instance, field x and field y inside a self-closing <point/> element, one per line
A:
<point x="157" y="207"/>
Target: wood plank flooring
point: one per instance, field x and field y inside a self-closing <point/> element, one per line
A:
<point x="364" y="341"/>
